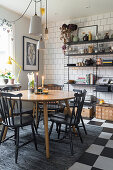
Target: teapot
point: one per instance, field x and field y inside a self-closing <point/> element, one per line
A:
<point x="89" y="62"/>
<point x="85" y="37"/>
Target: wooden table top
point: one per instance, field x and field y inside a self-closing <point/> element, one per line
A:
<point x="53" y="95"/>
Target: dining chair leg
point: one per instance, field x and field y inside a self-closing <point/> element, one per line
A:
<point x="2" y="132"/>
<point x="35" y="141"/>
<point x="79" y="133"/>
<point x="59" y="129"/>
<point x="35" y="128"/>
<point x="51" y="127"/>
<point x="17" y="144"/>
<point x="39" y="118"/>
<point x="15" y="135"/>
<point x="83" y="125"/>
<point x="71" y="142"/>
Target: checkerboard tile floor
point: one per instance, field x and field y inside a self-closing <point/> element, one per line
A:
<point x="99" y="156"/>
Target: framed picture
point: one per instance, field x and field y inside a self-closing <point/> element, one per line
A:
<point x="93" y="29"/>
<point x="30" y="54"/>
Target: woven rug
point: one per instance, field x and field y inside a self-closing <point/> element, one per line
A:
<point x="60" y="155"/>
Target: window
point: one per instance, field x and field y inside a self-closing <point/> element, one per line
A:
<point x="6" y="48"/>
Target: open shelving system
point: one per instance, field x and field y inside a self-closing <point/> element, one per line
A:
<point x="95" y="67"/>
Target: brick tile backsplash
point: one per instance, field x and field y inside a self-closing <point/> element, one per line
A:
<point x="53" y="57"/>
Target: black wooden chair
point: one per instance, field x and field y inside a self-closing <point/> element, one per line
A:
<point x="10" y="88"/>
<point x="70" y="121"/>
<point x="53" y="107"/>
<point x="71" y="104"/>
<point x="13" y="121"/>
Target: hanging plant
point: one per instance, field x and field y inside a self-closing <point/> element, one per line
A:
<point x="66" y="32"/>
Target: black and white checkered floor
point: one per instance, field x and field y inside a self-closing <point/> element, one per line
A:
<point x="99" y="156"/>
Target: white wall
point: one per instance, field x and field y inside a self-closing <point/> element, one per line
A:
<point x="21" y="29"/>
<point x="54" y="57"/>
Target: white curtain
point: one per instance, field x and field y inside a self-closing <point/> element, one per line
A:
<point x="6" y="47"/>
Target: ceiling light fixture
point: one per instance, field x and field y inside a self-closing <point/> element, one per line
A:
<point x="41" y="44"/>
<point x="35" y="27"/>
<point x="46" y="29"/>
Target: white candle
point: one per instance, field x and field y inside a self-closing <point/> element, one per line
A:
<point x="42" y="81"/>
<point x="37" y="81"/>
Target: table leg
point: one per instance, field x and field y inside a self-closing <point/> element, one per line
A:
<point x="68" y="107"/>
<point x="46" y="129"/>
<point x="34" y="109"/>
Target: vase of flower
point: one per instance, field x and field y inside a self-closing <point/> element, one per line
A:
<point x="7" y="77"/>
<point x="31" y="82"/>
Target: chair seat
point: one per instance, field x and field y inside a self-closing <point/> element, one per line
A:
<point x="24" y="111"/>
<point x="51" y="106"/>
<point x="62" y="120"/>
<point x="26" y="120"/>
<point x="59" y="115"/>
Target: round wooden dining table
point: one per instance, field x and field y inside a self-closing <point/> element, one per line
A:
<point x="53" y="95"/>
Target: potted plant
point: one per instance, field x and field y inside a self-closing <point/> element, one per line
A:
<point x="67" y="32"/>
<point x="11" y="78"/>
<point x="6" y="76"/>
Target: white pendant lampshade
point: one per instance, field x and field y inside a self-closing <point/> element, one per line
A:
<point x="41" y="44"/>
<point x="35" y="27"/>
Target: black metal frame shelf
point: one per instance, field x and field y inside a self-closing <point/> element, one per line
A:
<point x="90" y="42"/>
<point x="99" y="53"/>
<point x="104" y="54"/>
<point x="93" y="85"/>
<point x="91" y="66"/>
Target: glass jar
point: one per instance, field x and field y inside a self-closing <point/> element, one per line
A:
<point x="30" y="87"/>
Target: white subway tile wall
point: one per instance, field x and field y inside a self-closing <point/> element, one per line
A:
<point x="53" y="57"/>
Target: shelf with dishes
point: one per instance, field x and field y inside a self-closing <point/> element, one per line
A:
<point x="90" y="42"/>
<point x="93" y="49"/>
<point x="91" y="62"/>
<point x="89" y="66"/>
<point x="101" y="84"/>
<point x="93" y="85"/>
<point x="85" y="54"/>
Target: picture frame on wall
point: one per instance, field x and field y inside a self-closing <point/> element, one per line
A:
<point x="86" y="29"/>
<point x="30" y="54"/>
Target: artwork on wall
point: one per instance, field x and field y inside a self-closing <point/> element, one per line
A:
<point x="30" y="54"/>
<point x="93" y="29"/>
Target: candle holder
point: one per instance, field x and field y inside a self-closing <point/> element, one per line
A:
<point x="41" y="90"/>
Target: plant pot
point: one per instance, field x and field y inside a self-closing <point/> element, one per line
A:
<point x="11" y="81"/>
<point x="5" y="81"/>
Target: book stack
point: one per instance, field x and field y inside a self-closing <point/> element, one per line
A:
<point x="107" y="62"/>
<point x="90" y="78"/>
<point x="81" y="80"/>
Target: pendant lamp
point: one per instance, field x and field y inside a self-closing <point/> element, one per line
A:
<point x="35" y="27"/>
<point x="46" y="29"/>
<point x="41" y="44"/>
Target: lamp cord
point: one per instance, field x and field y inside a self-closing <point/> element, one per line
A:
<point x="22" y="14"/>
<point x="46" y="13"/>
<point x="35" y="8"/>
<point x="24" y="11"/>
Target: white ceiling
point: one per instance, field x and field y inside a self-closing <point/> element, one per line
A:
<point x="62" y="9"/>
